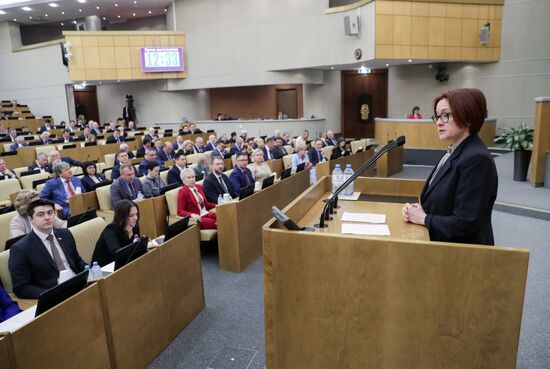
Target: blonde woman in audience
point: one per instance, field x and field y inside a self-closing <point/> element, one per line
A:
<point x="20" y="224"/>
<point x="260" y="170"/>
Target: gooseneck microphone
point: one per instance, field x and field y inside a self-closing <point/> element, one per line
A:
<point x="331" y="203"/>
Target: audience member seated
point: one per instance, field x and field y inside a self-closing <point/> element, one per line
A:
<point x="241" y="176"/>
<point x="202" y="167"/>
<point x="41" y="163"/>
<point x="146" y="143"/>
<point x="152" y="183"/>
<point x="198" y="147"/>
<point x="248" y="150"/>
<point x="276" y="133"/>
<point x="188" y="147"/>
<point x="54" y="158"/>
<point x="299" y="157"/>
<point x="329" y="140"/>
<point x="46" y="127"/>
<point x="66" y="138"/>
<point x="237" y="147"/>
<point x="150" y="157"/>
<point x="166" y="152"/>
<point x="232" y="138"/>
<point x="151" y="134"/>
<point x="95" y="128"/>
<point x="45" y="139"/>
<point x="21" y="224"/>
<point x="131" y="126"/>
<point x="184" y="130"/>
<point x="217" y="183"/>
<point x="193" y="130"/>
<point x="61" y="187"/>
<point x="124" y="147"/>
<point x="340" y="149"/>
<point x="315" y="153"/>
<point x="178" y="145"/>
<point x="127" y="186"/>
<point x="278" y="148"/>
<point x="85" y="134"/>
<point x="112" y="127"/>
<point x="92" y="139"/>
<point x="90" y="177"/>
<point x="220" y="149"/>
<point x="260" y="170"/>
<point x="286" y="139"/>
<point x="5" y="172"/>
<point x="251" y="143"/>
<point x="36" y="259"/>
<point x="121" y="232"/>
<point x="157" y="144"/>
<point x="19" y="142"/>
<point x="12" y="135"/>
<point x="8" y="307"/>
<point x="121" y="158"/>
<point x="211" y="145"/>
<point x="192" y="202"/>
<point x="225" y="139"/>
<point x="174" y="174"/>
<point x="116" y="137"/>
<point x="71" y="127"/>
<point x="244" y="134"/>
<point x="415" y="113"/>
<point x="302" y="140"/>
<point x="268" y="150"/>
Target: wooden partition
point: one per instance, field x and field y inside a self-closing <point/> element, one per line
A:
<point x="541" y="142"/>
<point x="356" y="160"/>
<point x="389" y="302"/>
<point x="82" y="202"/>
<point x="72" y="335"/>
<point x="6" y="351"/>
<point x="390" y="163"/>
<point x="239" y="223"/>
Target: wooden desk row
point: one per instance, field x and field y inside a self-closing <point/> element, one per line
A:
<point x="388" y="302"/>
<point x="124" y="321"/>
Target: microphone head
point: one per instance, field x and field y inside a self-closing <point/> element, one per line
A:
<point x="400" y="140"/>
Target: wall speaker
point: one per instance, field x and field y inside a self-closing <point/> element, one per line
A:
<point x="484" y="34"/>
<point x="351" y="25"/>
<point x="442" y="75"/>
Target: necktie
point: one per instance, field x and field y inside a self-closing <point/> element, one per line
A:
<point x="268" y="154"/>
<point x="246" y="178"/>
<point x="71" y="192"/>
<point x="319" y="156"/>
<point x="199" y="197"/>
<point x="131" y="186"/>
<point x="224" y="187"/>
<point x="440" y="164"/>
<point x="55" y="253"/>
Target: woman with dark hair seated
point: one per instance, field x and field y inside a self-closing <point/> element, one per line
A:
<point x="152" y="183"/>
<point x="340" y="149"/>
<point x="91" y="177"/>
<point x="121" y="232"/>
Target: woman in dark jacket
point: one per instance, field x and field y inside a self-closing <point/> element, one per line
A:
<point x="121" y="232"/>
<point x="90" y="177"/>
<point x="340" y="149"/>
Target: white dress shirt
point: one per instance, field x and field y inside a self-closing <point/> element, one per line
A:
<point x="46" y="243"/>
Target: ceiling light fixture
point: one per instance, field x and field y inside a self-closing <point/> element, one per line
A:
<point x="62" y="12"/>
<point x="82" y="1"/>
<point x="133" y="14"/>
<point x="80" y="10"/>
<point x="149" y="12"/>
<point x="2" y="12"/>
<point x="97" y="7"/>
<point x="62" y="24"/>
<point x="410" y="61"/>
<point x="26" y="8"/>
<point x="104" y="18"/>
<point x="116" y="4"/>
<point x="118" y="16"/>
<point x="53" y="5"/>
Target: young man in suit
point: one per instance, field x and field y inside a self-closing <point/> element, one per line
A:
<point x="46" y="127"/>
<point x="116" y="137"/>
<point x="36" y="260"/>
<point x="150" y="156"/>
<point x="127" y="186"/>
<point x="61" y="187"/>
<point x="278" y="149"/>
<point x="315" y="154"/>
<point x="269" y="153"/>
<point x="220" y="149"/>
<point x="66" y="137"/>
<point x="180" y="163"/>
<point x="122" y="157"/>
<point x="41" y="163"/>
<point x="217" y="183"/>
<point x="146" y="143"/>
<point x="241" y="176"/>
<point x="211" y="145"/>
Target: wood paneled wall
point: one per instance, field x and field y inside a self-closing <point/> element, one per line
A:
<point x="432" y="30"/>
<point x="115" y="55"/>
<point x="251" y="102"/>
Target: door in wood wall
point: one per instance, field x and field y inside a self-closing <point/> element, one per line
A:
<point x="85" y="102"/>
<point x="364" y="97"/>
<point x="287" y="102"/>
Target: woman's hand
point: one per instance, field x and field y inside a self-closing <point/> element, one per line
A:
<point x="129" y="230"/>
<point x="196" y="217"/>
<point x="413" y="213"/>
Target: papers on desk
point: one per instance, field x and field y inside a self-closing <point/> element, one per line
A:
<point x="353" y="197"/>
<point x="364" y="217"/>
<point x="19" y="320"/>
<point x="366" y="229"/>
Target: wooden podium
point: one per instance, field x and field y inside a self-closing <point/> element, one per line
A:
<point x="388" y="302"/>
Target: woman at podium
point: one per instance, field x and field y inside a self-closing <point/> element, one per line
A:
<point x="457" y="199"/>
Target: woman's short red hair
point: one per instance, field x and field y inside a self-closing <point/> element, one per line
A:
<point x="468" y="106"/>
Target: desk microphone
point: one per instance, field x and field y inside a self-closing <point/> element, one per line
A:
<point x="330" y="204"/>
<point x="82" y="215"/>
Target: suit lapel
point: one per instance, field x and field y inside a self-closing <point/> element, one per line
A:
<point x="66" y="250"/>
<point x="41" y="249"/>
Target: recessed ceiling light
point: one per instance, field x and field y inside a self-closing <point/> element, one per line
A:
<point x="74" y="22"/>
<point x="97" y="7"/>
<point x="149" y="12"/>
<point x="62" y="24"/>
<point x="410" y="61"/>
<point x="26" y="8"/>
<point x="133" y="14"/>
<point x="116" y="4"/>
<point x="53" y="5"/>
<point x="387" y="65"/>
<point x="82" y="1"/>
<point x="62" y="12"/>
<point x="118" y="16"/>
<point x="80" y="10"/>
<point x="104" y="18"/>
<point x="2" y="12"/>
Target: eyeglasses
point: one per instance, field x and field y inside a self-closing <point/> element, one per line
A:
<point x="444" y="117"/>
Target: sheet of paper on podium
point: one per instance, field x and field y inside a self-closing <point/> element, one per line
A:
<point x="366" y="229"/>
<point x="364" y="217"/>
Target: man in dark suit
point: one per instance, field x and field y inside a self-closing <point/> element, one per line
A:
<point x="55" y="157"/>
<point x="278" y="149"/>
<point x="180" y="163"/>
<point x="198" y="147"/>
<point x="66" y="137"/>
<point x="178" y="145"/>
<point x="127" y="186"/>
<point x="193" y="130"/>
<point x="116" y="137"/>
<point x="211" y="145"/>
<point x="241" y="176"/>
<point x="330" y="141"/>
<point x="220" y="149"/>
<point x="146" y="143"/>
<point x="19" y="142"/>
<point x="166" y="153"/>
<point x="45" y="139"/>
<point x="61" y="187"/>
<point x="46" y="127"/>
<point x="237" y="147"/>
<point x="95" y="129"/>
<point x="315" y="153"/>
<point x="36" y="260"/>
<point x="150" y="156"/>
<point x="121" y="158"/>
<point x="269" y="153"/>
<point x="41" y="163"/>
<point x="12" y="135"/>
<point x="217" y="183"/>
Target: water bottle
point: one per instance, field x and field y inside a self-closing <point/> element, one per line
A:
<point x="221" y="200"/>
<point x="87" y="267"/>
<point x="347" y="174"/>
<point x="96" y="271"/>
<point x="312" y="175"/>
<point x="336" y="178"/>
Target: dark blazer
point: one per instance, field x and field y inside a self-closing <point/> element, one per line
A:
<point x="313" y="156"/>
<point x="140" y="153"/>
<point x="14" y="146"/>
<point x="8" y="307"/>
<point x="44" y="128"/>
<point x="119" y="191"/>
<point x="33" y="270"/>
<point x="164" y="157"/>
<point x="329" y="142"/>
<point x="209" y="147"/>
<point x="279" y="152"/>
<point x="88" y="183"/>
<point x="55" y="191"/>
<point x="238" y="179"/>
<point x="216" y="152"/>
<point x="234" y="150"/>
<point x="115" y="173"/>
<point x="62" y="140"/>
<point x="460" y="199"/>
<point x="174" y="175"/>
<point x="43" y="142"/>
<point x="34" y="166"/>
<point x="213" y="188"/>
<point x="111" y="139"/>
<point x="111" y="239"/>
<point x="271" y="152"/>
<point x="71" y="161"/>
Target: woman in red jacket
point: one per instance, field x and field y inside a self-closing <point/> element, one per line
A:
<point x="192" y="201"/>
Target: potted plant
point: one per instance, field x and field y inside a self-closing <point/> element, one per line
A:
<point x="519" y="140"/>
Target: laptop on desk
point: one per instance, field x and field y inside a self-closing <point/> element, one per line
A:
<point x="61" y="292"/>
<point x="246" y="191"/>
<point x="268" y="181"/>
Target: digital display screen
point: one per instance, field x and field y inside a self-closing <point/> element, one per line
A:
<point x="161" y="59"/>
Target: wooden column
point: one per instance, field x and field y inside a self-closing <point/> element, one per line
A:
<point x="541" y="142"/>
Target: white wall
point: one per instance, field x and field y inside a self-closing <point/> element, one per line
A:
<point x="34" y="77"/>
<point x="510" y="85"/>
<point x="325" y="100"/>
<point x="152" y="104"/>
